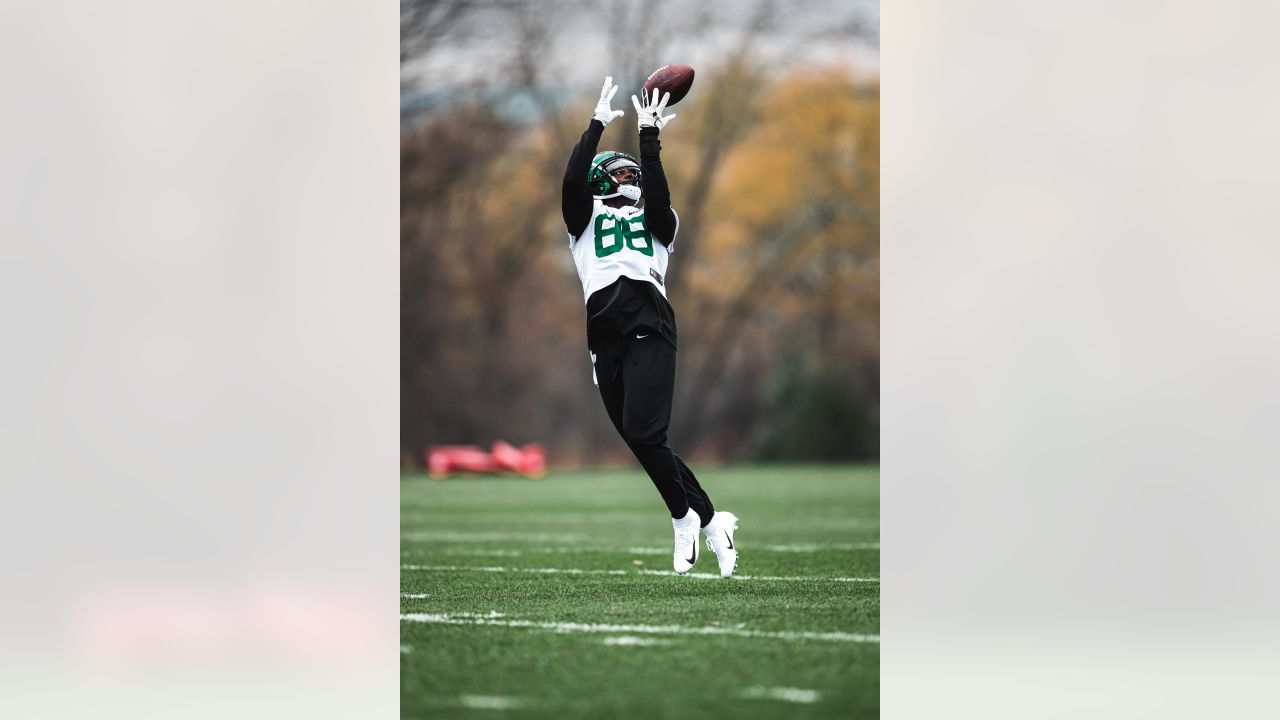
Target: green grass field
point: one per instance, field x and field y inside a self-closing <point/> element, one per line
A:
<point x="554" y="598"/>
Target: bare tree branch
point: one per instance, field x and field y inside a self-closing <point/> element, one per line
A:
<point x="424" y="22"/>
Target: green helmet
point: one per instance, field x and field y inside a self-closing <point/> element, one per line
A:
<point x="601" y="181"/>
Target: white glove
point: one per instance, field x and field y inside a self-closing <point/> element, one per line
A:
<point x="604" y="113"/>
<point x="650" y="114"/>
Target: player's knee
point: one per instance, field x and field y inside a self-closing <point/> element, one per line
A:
<point x="639" y="436"/>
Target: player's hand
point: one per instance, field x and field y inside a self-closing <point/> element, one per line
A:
<point x="650" y="113"/>
<point x="604" y="113"/>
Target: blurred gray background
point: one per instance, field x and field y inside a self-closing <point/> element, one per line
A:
<point x="1079" y="378"/>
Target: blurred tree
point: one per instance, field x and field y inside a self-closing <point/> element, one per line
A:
<point x="814" y="413"/>
<point x="776" y="179"/>
<point x="792" y="243"/>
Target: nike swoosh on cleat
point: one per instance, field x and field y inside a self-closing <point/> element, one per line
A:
<point x="726" y="537"/>
<point x="693" y="553"/>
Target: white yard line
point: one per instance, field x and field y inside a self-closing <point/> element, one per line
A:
<point x="786" y="694"/>
<point x="573" y="538"/>
<point x="497" y="552"/>
<point x="502" y="552"/>
<point x="579" y="571"/>
<point x="538" y="571"/>
<point x="801" y="548"/>
<point x="447" y="536"/>
<point x="814" y="547"/>
<point x="633" y="640"/>
<point x="413" y="596"/>
<point x="565" y="627"/>
<point x="842" y="522"/>
<point x="489" y="702"/>
<point x="715" y="576"/>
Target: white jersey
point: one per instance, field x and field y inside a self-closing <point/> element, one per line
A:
<point x="617" y="243"/>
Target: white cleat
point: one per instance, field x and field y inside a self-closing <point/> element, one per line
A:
<point x="686" y="553"/>
<point x="719" y="534"/>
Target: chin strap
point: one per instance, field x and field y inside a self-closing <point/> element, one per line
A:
<point x="631" y="192"/>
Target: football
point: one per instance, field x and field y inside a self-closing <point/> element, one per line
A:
<point x="674" y="79"/>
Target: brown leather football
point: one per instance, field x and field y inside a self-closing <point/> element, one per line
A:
<point x="674" y="79"/>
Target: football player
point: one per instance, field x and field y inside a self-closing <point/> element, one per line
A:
<point x="621" y="251"/>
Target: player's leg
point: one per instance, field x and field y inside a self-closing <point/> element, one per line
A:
<point x="717" y="527"/>
<point x="648" y="371"/>
<point x="612" y="382"/>
<point x="606" y="363"/>
<point x="698" y="499"/>
<point x="652" y="385"/>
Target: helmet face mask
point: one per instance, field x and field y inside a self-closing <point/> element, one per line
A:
<point x="601" y="178"/>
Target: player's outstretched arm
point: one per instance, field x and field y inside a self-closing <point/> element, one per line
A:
<point x="659" y="217"/>
<point x="575" y="196"/>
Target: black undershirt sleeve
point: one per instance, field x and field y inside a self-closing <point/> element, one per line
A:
<point x="575" y="197"/>
<point x="659" y="217"/>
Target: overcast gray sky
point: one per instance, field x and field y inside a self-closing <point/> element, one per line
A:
<point x="578" y="52"/>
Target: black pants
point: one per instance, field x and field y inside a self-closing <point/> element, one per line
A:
<point x="637" y="378"/>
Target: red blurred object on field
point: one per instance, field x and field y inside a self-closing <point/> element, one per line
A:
<point x="445" y="460"/>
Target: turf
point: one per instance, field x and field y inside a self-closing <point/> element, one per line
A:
<point x="818" y="523"/>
